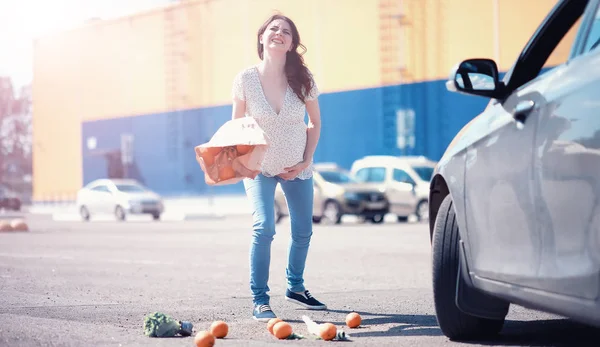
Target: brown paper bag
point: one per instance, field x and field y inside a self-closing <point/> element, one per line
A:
<point x="235" y="152"/>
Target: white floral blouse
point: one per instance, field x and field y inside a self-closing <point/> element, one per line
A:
<point x="286" y="131"/>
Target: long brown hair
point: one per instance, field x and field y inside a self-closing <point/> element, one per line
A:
<point x="297" y="73"/>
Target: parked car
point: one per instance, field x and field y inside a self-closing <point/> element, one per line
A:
<point x="337" y="193"/>
<point x="405" y="182"/>
<point x="120" y="197"/>
<point x="9" y="200"/>
<point x="515" y="199"/>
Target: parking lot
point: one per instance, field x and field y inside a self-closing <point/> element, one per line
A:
<point x="73" y="284"/>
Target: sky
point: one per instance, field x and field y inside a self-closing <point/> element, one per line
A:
<point x="23" y="20"/>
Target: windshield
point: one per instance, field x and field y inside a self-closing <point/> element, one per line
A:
<point x="130" y="188"/>
<point x="424" y="172"/>
<point x="336" y="177"/>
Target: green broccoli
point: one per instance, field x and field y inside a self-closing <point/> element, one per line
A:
<point x="158" y="324"/>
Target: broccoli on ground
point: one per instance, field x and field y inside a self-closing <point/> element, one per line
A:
<point x="158" y="324"/>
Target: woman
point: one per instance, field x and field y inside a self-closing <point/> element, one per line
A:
<point x="277" y="92"/>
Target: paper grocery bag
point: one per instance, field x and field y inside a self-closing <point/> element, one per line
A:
<point x="235" y="152"/>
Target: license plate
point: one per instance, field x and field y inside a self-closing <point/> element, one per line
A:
<point x="376" y="205"/>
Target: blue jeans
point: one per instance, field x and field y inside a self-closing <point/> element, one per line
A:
<point x="299" y="197"/>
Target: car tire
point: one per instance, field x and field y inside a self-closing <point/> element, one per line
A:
<point x="84" y="213"/>
<point x="316" y="219"/>
<point x="119" y="213"/>
<point x="422" y="211"/>
<point x="156" y="216"/>
<point x="332" y="212"/>
<point x="454" y="323"/>
<point x="377" y="219"/>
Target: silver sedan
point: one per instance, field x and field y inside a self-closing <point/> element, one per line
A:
<point x="515" y="200"/>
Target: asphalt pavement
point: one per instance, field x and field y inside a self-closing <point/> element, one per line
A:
<point x="75" y="284"/>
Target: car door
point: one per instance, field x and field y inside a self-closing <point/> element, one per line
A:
<point x="401" y="192"/>
<point x="567" y="173"/>
<point x="504" y="230"/>
<point x="101" y="200"/>
<point x="500" y="216"/>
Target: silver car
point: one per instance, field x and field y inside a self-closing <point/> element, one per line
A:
<point x="337" y="193"/>
<point x="120" y="197"/>
<point x="515" y="200"/>
<point x="404" y="180"/>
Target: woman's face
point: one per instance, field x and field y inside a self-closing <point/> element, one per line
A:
<point x="277" y="37"/>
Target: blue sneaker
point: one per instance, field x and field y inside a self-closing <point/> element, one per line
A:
<point x="305" y="299"/>
<point x="263" y="313"/>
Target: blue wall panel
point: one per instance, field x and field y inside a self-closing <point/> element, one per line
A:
<point x="350" y="126"/>
<point x="354" y="124"/>
<point x="163" y="149"/>
<point x="107" y="135"/>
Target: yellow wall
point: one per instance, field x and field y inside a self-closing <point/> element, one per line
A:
<point x="440" y="33"/>
<point x="104" y="70"/>
<point x="339" y="39"/>
<point x="56" y="125"/>
<point x="186" y="55"/>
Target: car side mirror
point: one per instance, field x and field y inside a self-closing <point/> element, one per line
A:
<point x="476" y="77"/>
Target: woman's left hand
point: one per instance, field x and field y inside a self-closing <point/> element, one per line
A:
<point x="293" y="171"/>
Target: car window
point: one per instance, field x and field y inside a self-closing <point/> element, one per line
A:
<point x="402" y="176"/>
<point x="336" y="176"/>
<point x="101" y="189"/>
<point x="377" y="174"/>
<point x="362" y="175"/>
<point x="130" y="188"/>
<point x="593" y="40"/>
<point x="371" y="174"/>
<point x="424" y="172"/>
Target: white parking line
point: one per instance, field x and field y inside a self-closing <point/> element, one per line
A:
<point x="74" y="217"/>
<point x="96" y="260"/>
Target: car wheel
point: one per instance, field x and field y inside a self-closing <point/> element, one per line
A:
<point x="453" y="322"/>
<point x="377" y="219"/>
<point x="316" y="219"/>
<point x="422" y="210"/>
<point x="119" y="213"/>
<point x="84" y="213"/>
<point x="332" y="212"/>
<point x="156" y="216"/>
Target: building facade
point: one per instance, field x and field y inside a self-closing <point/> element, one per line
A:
<point x="133" y="96"/>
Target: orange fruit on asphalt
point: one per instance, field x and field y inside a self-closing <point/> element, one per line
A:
<point x="353" y="320"/>
<point x="219" y="329"/>
<point x="5" y="226"/>
<point x="282" y="330"/>
<point x="327" y="331"/>
<point x="204" y="339"/>
<point x="18" y="225"/>
<point x="271" y="323"/>
<point x="243" y="149"/>
<point x="226" y="172"/>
